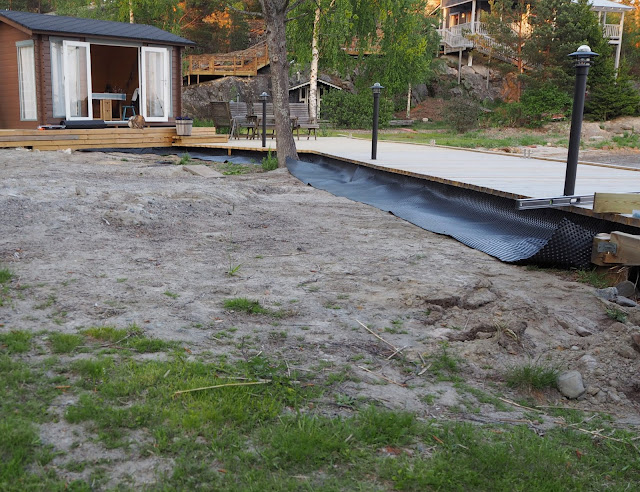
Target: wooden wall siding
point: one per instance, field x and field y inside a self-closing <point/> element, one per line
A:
<point x="176" y="81"/>
<point x="9" y="88"/>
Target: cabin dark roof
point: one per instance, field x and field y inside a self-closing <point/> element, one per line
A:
<point x="58" y="24"/>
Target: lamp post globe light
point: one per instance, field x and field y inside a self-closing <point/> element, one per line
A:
<point x="263" y="97"/>
<point x="583" y="58"/>
<point x="376" y="88"/>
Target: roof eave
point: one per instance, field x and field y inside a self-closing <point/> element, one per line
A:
<point x="16" y="25"/>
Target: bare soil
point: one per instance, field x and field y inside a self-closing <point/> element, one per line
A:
<point x="115" y="239"/>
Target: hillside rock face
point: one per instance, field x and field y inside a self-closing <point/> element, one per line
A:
<point x="196" y="98"/>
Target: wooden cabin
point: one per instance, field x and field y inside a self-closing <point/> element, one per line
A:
<point x="58" y="68"/>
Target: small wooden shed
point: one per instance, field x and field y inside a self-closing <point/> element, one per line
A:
<point x="64" y="68"/>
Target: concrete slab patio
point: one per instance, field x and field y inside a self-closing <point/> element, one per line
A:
<point x="502" y="174"/>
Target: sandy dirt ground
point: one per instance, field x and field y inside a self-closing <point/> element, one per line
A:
<point x="100" y="239"/>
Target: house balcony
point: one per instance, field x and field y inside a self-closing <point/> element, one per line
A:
<point x="612" y="33"/>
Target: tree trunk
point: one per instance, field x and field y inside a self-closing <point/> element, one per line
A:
<point x="275" y="12"/>
<point x="313" y="77"/>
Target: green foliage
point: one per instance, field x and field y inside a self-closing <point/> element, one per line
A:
<point x="539" y="104"/>
<point x="593" y="278"/>
<point x="617" y="314"/>
<point x="185" y="159"/>
<point x="463" y="114"/>
<point x="610" y="97"/>
<point x="346" y="110"/>
<point x="270" y="162"/>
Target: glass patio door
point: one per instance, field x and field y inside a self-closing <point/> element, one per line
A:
<point x="155" y="100"/>
<point x="77" y="80"/>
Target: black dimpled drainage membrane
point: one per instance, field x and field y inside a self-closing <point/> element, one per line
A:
<point x="485" y="222"/>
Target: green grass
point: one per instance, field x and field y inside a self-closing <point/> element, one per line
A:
<point x="173" y="295"/>
<point x="231" y="169"/>
<point x="443" y="365"/>
<point x="593" y="278"/>
<point x="63" y="343"/>
<point x="5" y="275"/>
<point x="270" y="162"/>
<point x="15" y="342"/>
<point x="468" y="140"/>
<point x="277" y="435"/>
<point x="532" y="376"/>
<point x="131" y="337"/>
<point x="617" y="314"/>
<point x="249" y="306"/>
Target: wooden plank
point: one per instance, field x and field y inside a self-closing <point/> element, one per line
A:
<point x="617" y="248"/>
<point x="616" y="203"/>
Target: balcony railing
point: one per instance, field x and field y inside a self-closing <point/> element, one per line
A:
<point x="612" y="31"/>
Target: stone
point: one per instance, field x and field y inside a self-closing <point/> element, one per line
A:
<point x="626" y="289"/>
<point x="479" y="298"/>
<point x="608" y="294"/>
<point x="635" y="340"/>
<point x="614" y="397"/>
<point x="593" y="390"/>
<point x="81" y="190"/>
<point x="589" y="362"/>
<point x="570" y="384"/>
<point x="626" y="352"/>
<point x="625" y="301"/>
<point x="617" y="327"/>
<point x="202" y="171"/>
<point x="583" y="332"/>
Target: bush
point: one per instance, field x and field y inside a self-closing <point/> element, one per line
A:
<point x="346" y="110"/>
<point x="540" y="104"/>
<point x="463" y="114"/>
<point x="270" y="162"/>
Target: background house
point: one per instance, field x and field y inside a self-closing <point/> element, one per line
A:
<point x="64" y="68"/>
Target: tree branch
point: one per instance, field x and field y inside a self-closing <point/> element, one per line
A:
<point x="297" y="17"/>
<point x="245" y="12"/>
<point x="295" y="5"/>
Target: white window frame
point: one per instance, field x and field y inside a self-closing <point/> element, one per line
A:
<point x="57" y="84"/>
<point x="27" y="105"/>
<point x="65" y="64"/>
<point x="144" y="50"/>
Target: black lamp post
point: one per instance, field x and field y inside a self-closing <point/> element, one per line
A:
<point x="376" y="88"/>
<point x="263" y="97"/>
<point x="583" y="58"/>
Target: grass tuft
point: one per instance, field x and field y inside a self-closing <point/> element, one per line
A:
<point x="63" y="343"/>
<point x="532" y="376"/>
<point x="16" y="342"/>
<point x="617" y="314"/>
<point x="5" y="275"/>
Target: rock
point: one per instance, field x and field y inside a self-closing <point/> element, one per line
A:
<point x="608" y="294"/>
<point x="589" y="362"/>
<point x="81" y="191"/>
<point x="626" y="352"/>
<point x="617" y="327"/>
<point x="625" y="301"/>
<point x="626" y="289"/>
<point x="583" y="332"/>
<point x="614" y="397"/>
<point x="570" y="384"/>
<point x="479" y="298"/>
<point x="593" y="390"/>
<point x="635" y="340"/>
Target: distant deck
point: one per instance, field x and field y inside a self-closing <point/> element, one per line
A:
<point x="245" y="63"/>
<point x="106" y="138"/>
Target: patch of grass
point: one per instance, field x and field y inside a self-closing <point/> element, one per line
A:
<point x="617" y="314"/>
<point x="443" y="365"/>
<point x="173" y="295"/>
<point x="16" y="342"/>
<point x="233" y="269"/>
<point x="5" y="275"/>
<point x="50" y="301"/>
<point x="231" y="169"/>
<point x="533" y="375"/>
<point x="270" y="162"/>
<point x="249" y="306"/>
<point x="185" y="159"/>
<point x="593" y="278"/>
<point x="64" y="343"/>
<point x="131" y="337"/>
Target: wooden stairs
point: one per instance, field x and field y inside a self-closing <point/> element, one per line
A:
<point x="245" y="63"/>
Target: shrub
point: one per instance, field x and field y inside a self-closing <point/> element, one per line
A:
<point x="540" y="104"/>
<point x="346" y="110"/>
<point x="463" y="114"/>
<point x="270" y="162"/>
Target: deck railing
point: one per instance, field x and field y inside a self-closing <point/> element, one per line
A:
<point x="612" y="31"/>
<point x="245" y="62"/>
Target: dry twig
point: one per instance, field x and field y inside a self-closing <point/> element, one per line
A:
<point x="378" y="336"/>
<point x="402" y="385"/>
<point x="222" y="386"/>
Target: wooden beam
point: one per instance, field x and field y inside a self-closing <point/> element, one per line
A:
<point x="617" y="248"/>
<point x="616" y="203"/>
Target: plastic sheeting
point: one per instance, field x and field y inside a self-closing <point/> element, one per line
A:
<point x="488" y="223"/>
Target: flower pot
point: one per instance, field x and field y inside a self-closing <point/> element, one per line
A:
<point x="183" y="127"/>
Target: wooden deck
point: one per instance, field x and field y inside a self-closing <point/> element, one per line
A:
<point x="106" y="138"/>
<point x="245" y="63"/>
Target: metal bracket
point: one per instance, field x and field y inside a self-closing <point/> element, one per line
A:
<point x="607" y="247"/>
<point x="559" y="201"/>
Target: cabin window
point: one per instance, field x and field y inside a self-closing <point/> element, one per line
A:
<point x="57" y="79"/>
<point x="27" y="81"/>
